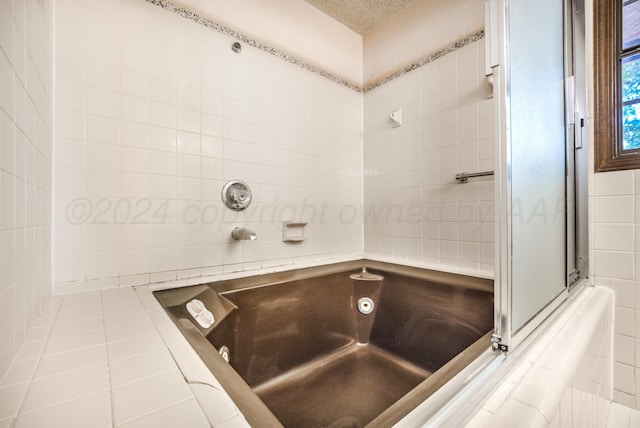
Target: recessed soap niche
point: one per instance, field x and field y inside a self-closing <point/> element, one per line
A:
<point x="293" y="231"/>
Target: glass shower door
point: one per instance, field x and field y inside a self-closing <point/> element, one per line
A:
<point x="530" y="60"/>
<point x="537" y="125"/>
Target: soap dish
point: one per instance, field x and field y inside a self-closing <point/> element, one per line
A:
<point x="293" y="231"/>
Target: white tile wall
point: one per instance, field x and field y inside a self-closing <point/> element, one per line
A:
<point x="26" y="60"/>
<point x="614" y="240"/>
<point x="154" y="113"/>
<point x="614" y="260"/>
<point x="415" y="211"/>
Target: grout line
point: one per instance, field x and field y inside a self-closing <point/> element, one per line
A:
<point x="58" y="403"/>
<point x="152" y="412"/>
<point x="165" y="344"/>
<point x="64" y="372"/>
<point x="44" y="347"/>
<point x="143" y="378"/>
<point x="111" y="407"/>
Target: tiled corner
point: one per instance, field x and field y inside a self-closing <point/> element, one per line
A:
<point x="414" y="209"/>
<point x="100" y="360"/>
<point x="564" y="380"/>
<point x="26" y="146"/>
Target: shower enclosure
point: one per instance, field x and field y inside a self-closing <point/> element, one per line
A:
<point x="535" y="61"/>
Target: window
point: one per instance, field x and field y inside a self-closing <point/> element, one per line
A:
<point x="617" y="84"/>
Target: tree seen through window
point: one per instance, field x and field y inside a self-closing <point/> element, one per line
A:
<point x="630" y="57"/>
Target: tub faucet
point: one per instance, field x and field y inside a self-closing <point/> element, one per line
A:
<point x="243" y="234"/>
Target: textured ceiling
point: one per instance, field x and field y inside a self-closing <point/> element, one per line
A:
<point x="360" y="15"/>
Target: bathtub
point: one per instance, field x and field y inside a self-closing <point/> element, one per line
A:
<point x="330" y="346"/>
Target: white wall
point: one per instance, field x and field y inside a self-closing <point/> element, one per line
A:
<point x="418" y="30"/>
<point x="26" y="63"/>
<point x="415" y="210"/>
<point x="154" y="114"/>
<point x="292" y="26"/>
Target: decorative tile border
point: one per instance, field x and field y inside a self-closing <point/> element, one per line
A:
<point x="249" y="41"/>
<point x="300" y="63"/>
<point x="426" y="60"/>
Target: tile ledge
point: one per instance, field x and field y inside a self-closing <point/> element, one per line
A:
<point x="590" y="307"/>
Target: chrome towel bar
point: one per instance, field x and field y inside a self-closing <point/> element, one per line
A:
<point x="463" y="177"/>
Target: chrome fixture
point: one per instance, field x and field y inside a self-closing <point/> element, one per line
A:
<point x="225" y="353"/>
<point x="463" y="177"/>
<point x="236" y="47"/>
<point x="243" y="234"/>
<point x="366" y="276"/>
<point x="236" y="195"/>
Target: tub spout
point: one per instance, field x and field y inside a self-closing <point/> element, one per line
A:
<point x="243" y="234"/>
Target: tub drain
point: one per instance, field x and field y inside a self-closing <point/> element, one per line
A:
<point x="365" y="305"/>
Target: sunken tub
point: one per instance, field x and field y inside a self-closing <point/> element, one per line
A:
<point x="335" y="346"/>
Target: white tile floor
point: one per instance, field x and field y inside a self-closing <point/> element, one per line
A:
<point x="102" y="359"/>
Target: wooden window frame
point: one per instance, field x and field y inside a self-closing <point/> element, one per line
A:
<point x="607" y="35"/>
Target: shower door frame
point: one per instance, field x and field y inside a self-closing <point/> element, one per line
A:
<point x="504" y="338"/>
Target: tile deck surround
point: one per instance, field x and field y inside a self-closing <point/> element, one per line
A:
<point x="111" y="358"/>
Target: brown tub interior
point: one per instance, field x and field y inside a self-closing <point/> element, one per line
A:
<point x="302" y="352"/>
